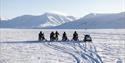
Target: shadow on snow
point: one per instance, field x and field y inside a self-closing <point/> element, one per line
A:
<point x="36" y="41"/>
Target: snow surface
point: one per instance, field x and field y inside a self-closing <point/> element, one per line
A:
<point x="21" y="46"/>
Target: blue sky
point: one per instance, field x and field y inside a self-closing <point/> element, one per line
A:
<point x="13" y="8"/>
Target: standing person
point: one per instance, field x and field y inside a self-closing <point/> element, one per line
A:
<point x="75" y="36"/>
<point x="52" y="37"/>
<point x="56" y="35"/>
<point x="41" y="36"/>
<point x="64" y="37"/>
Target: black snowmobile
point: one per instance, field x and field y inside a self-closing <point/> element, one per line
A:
<point x="64" y="37"/>
<point x="52" y="37"/>
<point x="41" y="36"/>
<point x="87" y="38"/>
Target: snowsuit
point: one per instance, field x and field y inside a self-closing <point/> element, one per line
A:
<point x="64" y="37"/>
<point x="56" y="36"/>
<point x="52" y="37"/>
<point x="41" y="36"/>
<point x="75" y="36"/>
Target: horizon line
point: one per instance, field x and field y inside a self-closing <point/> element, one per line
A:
<point x="59" y="13"/>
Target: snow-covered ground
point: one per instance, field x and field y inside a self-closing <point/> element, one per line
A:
<point x="21" y="46"/>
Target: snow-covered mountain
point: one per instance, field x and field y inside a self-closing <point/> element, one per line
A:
<point x="116" y="20"/>
<point x="29" y="21"/>
<point x="59" y="21"/>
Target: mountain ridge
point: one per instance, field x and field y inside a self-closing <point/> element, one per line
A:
<point x="30" y="21"/>
<point x="97" y="21"/>
<point x="58" y="21"/>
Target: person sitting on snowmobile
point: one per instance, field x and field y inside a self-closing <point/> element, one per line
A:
<point x="41" y="36"/>
<point x="56" y="35"/>
<point x="64" y="37"/>
<point x="52" y="37"/>
<point x="75" y="36"/>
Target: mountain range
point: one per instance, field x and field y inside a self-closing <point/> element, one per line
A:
<point x="97" y="21"/>
<point x="58" y="21"/>
<point x="41" y="21"/>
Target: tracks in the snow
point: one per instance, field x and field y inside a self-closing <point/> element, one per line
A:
<point x="77" y="51"/>
<point x="82" y="52"/>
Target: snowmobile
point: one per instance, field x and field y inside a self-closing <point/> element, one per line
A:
<point x="75" y="37"/>
<point x="64" y="37"/>
<point x="87" y="38"/>
<point x="41" y="36"/>
<point x="56" y="36"/>
<point x="52" y="36"/>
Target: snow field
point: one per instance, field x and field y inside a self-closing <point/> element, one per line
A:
<point x="108" y="47"/>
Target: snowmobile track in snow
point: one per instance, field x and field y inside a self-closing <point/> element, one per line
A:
<point x="77" y="51"/>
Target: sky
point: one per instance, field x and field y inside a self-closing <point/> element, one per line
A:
<point x="78" y="8"/>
